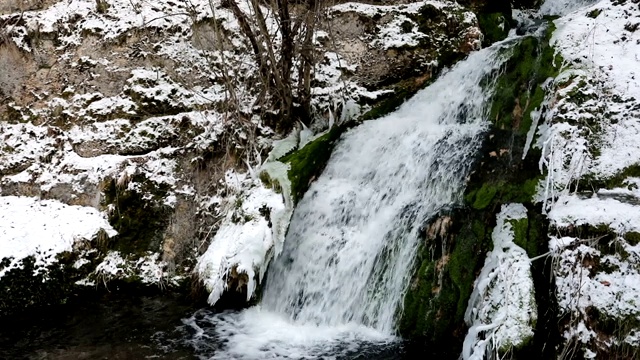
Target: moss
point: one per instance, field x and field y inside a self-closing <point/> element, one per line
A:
<point x="632" y="237"/>
<point x="268" y="182"/>
<point x="518" y="90"/>
<point x="591" y="183"/>
<point x="436" y="301"/>
<point x="140" y="221"/>
<point x="102" y="6"/>
<point x="414" y="318"/>
<point x="309" y="162"/>
<point x="578" y="95"/>
<point x="484" y="196"/>
<point x="494" y="27"/>
<point x="520" y="229"/>
<point x="462" y="266"/>
<point x="501" y="192"/>
<point x="594" y="13"/>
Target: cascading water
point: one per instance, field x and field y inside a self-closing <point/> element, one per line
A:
<point x="350" y="249"/>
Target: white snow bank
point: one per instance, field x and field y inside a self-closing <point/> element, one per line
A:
<point x="570" y="210"/>
<point x="607" y="50"/>
<point x="396" y="33"/>
<point x="253" y="229"/>
<point x="70" y="18"/>
<point x="562" y="7"/>
<point x="372" y="10"/>
<point x="502" y="309"/>
<point x="613" y="288"/>
<point x="586" y="279"/>
<point x="44" y="228"/>
<point x="593" y="129"/>
<point x="593" y="123"/>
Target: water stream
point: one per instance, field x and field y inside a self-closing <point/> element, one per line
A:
<point x="337" y="288"/>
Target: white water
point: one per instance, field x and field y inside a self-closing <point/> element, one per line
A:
<point x="352" y="241"/>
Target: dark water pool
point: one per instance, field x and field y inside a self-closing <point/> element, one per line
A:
<point x="111" y="326"/>
<point x="121" y="326"/>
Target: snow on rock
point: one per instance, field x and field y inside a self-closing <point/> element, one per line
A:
<point x="361" y="56"/>
<point x="573" y="210"/>
<point x="593" y="123"/>
<point x="44" y="228"/>
<point x="562" y="7"/>
<point x="244" y="243"/>
<point x="502" y="310"/>
<point x="156" y="88"/>
<point x="148" y="269"/>
<point x="606" y="44"/>
<point x="110" y="18"/>
<point x="599" y="47"/>
<point x="23" y="144"/>
<point x="590" y="137"/>
<point x="587" y="282"/>
<point x="373" y="10"/>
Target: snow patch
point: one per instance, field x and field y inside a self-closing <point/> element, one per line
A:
<point x="148" y="269"/>
<point x="44" y="228"/>
<point x="573" y="210"/>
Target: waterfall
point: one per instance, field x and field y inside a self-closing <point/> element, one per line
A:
<point x="353" y="237"/>
<point x="351" y="245"/>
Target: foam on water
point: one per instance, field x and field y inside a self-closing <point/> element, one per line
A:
<point x="257" y="333"/>
<point x="338" y="285"/>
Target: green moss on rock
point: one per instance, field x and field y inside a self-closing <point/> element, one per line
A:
<point x="519" y="90"/>
<point x="632" y="237"/>
<point x="482" y="197"/>
<point x="139" y="220"/>
<point x="494" y="27"/>
<point x="435" y="304"/>
<point x="309" y="162"/>
<point x="592" y="183"/>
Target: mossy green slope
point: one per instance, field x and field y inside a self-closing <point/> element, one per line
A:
<point x="307" y="164"/>
<point x="519" y="89"/>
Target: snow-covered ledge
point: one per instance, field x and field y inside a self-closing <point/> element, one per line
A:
<point x="44" y="228"/>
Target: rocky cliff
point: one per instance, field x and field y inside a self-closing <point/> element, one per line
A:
<point x="120" y="110"/>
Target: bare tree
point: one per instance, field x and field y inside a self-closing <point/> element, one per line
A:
<point x="280" y="55"/>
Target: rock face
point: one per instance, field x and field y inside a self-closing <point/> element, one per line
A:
<point x="562" y="143"/>
<point x="122" y="106"/>
<point x="592" y="180"/>
<point x="504" y="172"/>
